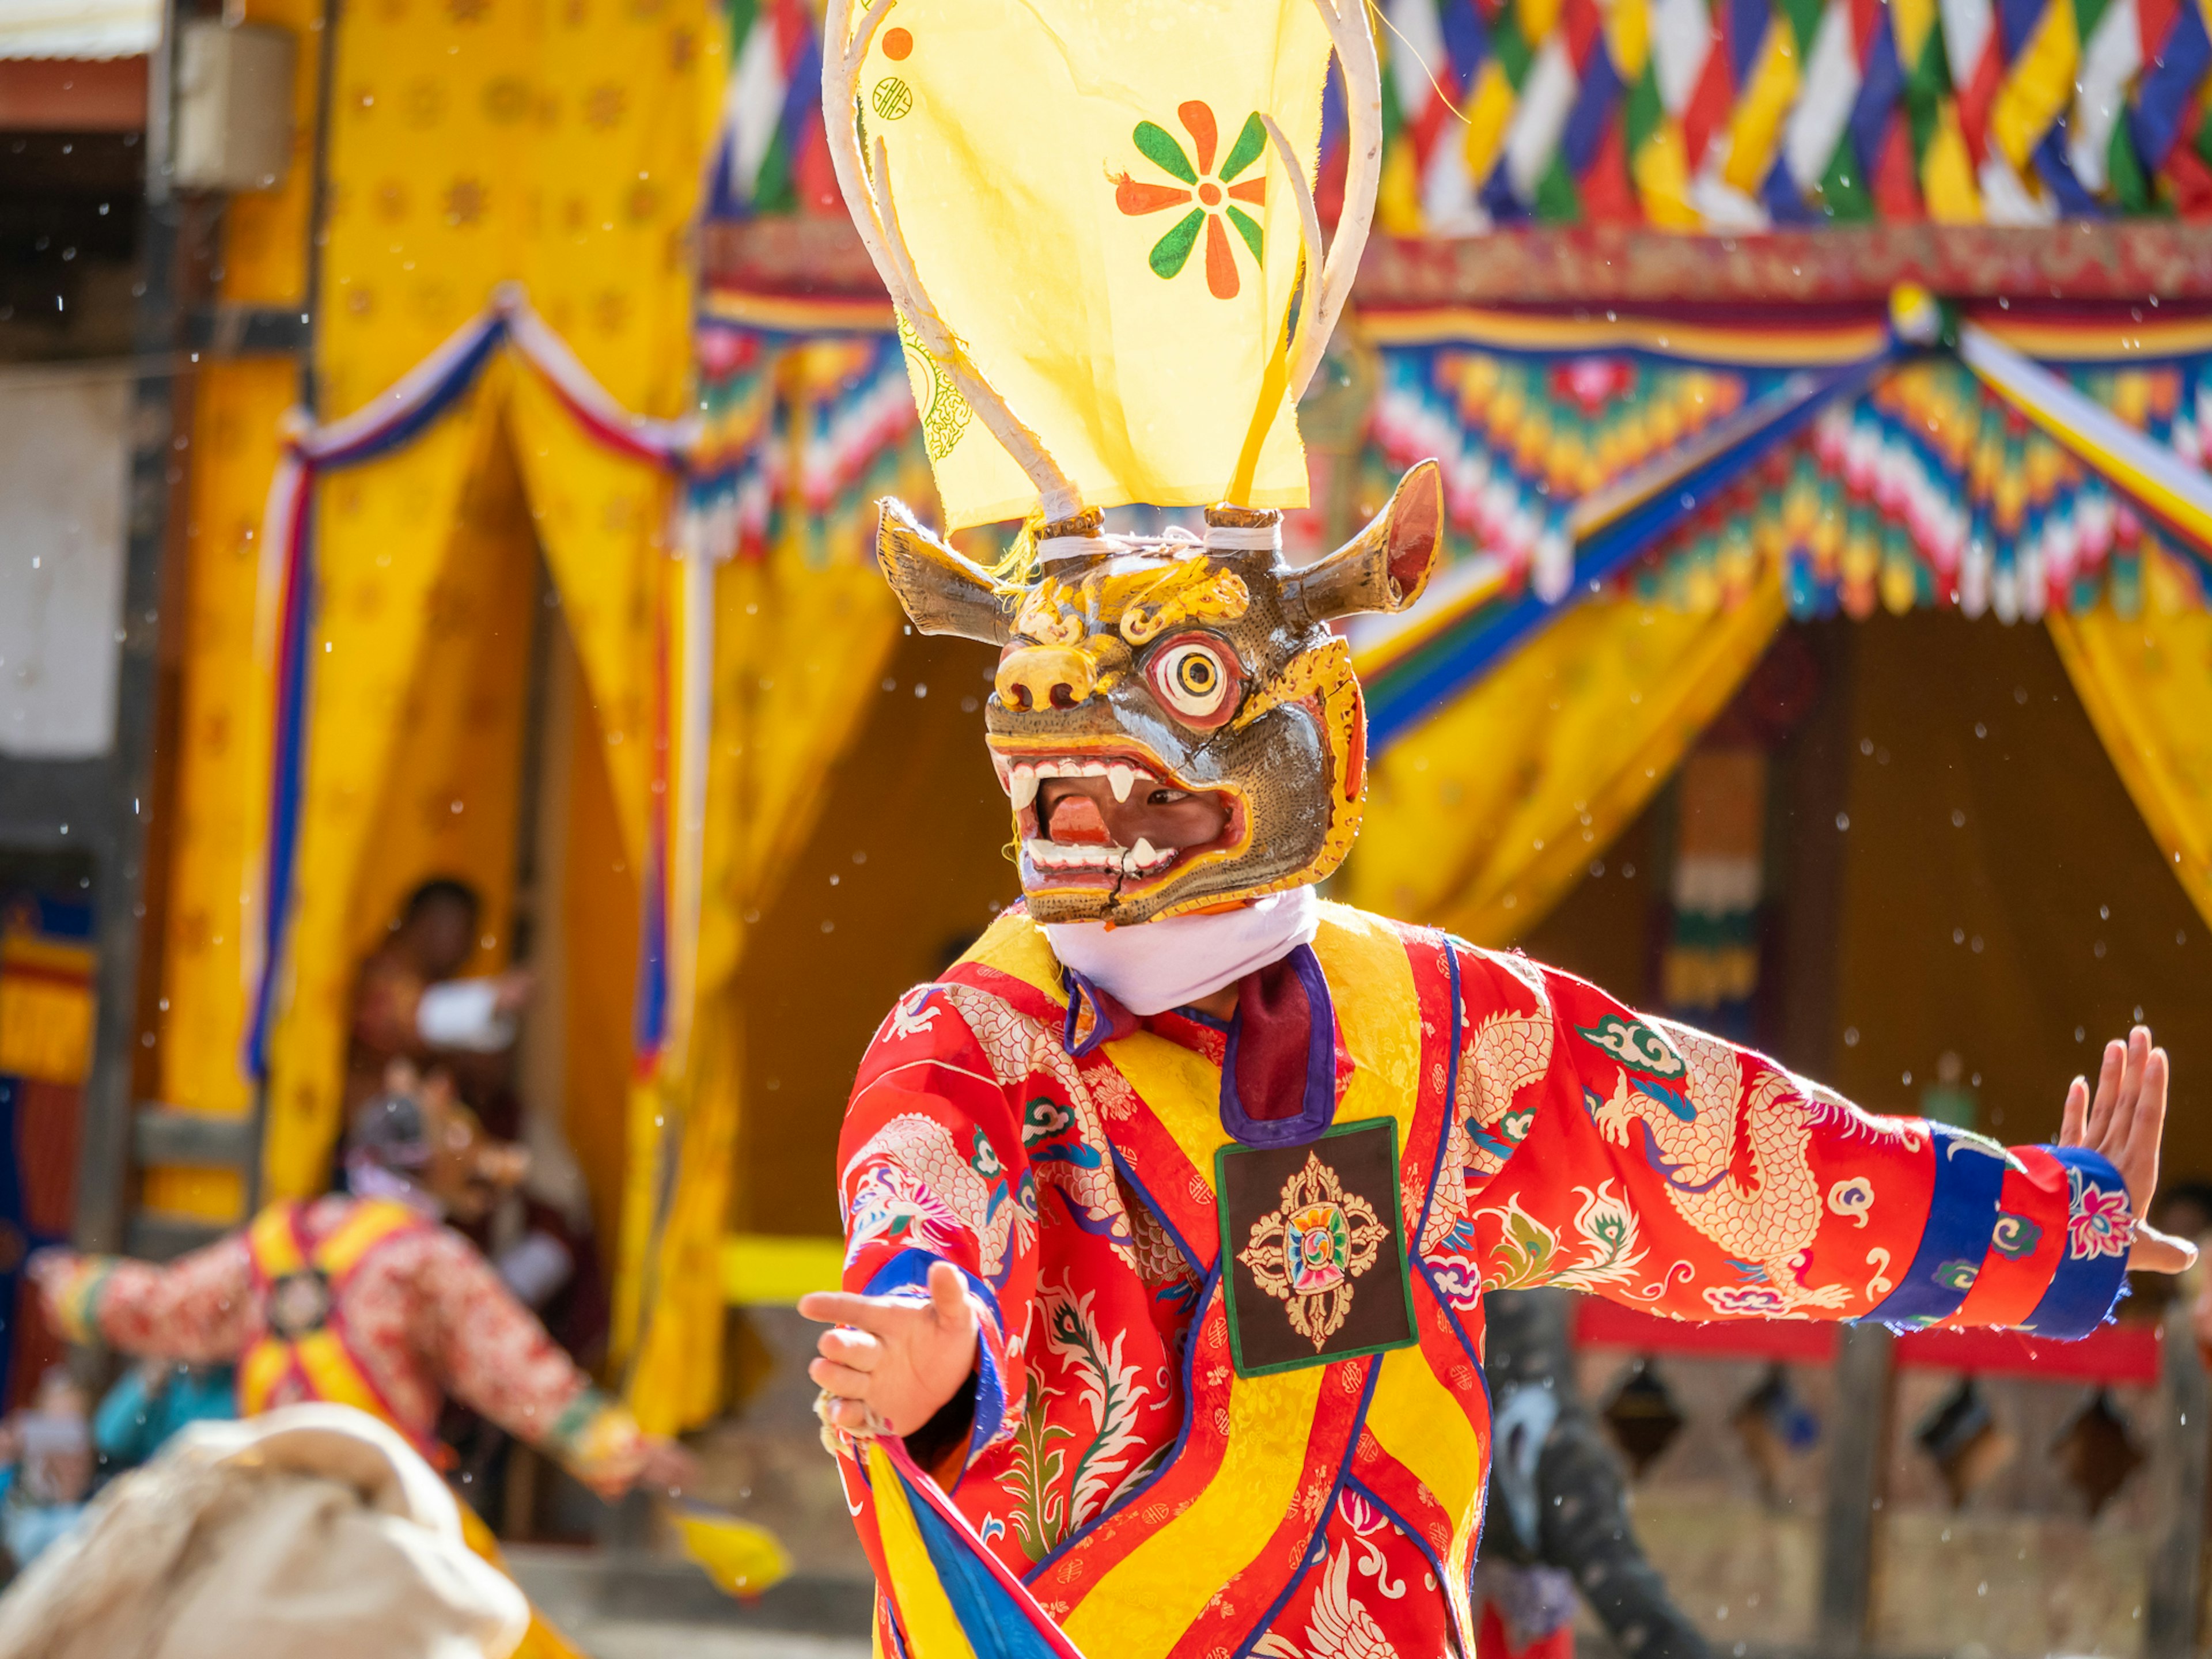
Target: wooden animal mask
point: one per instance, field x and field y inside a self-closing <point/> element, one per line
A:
<point x="1200" y="673"/>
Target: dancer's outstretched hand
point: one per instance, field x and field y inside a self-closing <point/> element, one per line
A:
<point x="2125" y="1120"/>
<point x="892" y="1362"/>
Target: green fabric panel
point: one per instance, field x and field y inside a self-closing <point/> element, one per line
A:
<point x="1643" y="113"/>
<point x="1559" y="199"/>
<point x="2131" y="187"/>
<point x="1803" y="17"/>
<point x="773" y="191"/>
<point x="741" y="15"/>
<point x="1927" y="82"/>
<point x="1844" y="186"/>
<point x="1513" y="52"/>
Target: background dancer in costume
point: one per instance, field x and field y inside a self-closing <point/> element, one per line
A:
<point x="368" y="1299"/>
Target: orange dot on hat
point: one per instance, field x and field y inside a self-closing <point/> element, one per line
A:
<point x="897" y="43"/>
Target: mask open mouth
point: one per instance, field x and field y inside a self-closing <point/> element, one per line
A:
<point x="1112" y="819"/>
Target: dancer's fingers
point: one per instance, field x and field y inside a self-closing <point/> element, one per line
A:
<point x="878" y="1314"/>
<point x="2138" y="1155"/>
<point x="854" y="1348"/>
<point x="2072" y="1122"/>
<point x="840" y="1380"/>
<point x="2107" y="1095"/>
<point x="948" y="1293"/>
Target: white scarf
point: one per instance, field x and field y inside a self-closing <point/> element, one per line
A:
<point x="1157" y="965"/>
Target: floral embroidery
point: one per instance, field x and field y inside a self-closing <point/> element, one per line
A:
<point x="890" y="1204"/>
<point x="2099" y="1223"/>
<point x="1216" y="195"/>
<point x="1108" y="1389"/>
<point x="1530" y="1250"/>
<point x="1040" y="1513"/>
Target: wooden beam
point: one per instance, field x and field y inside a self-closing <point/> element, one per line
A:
<point x="72" y="94"/>
<point x="2112" y="261"/>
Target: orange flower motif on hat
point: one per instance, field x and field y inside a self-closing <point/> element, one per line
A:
<point x="1212" y="194"/>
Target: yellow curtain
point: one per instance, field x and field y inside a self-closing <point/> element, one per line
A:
<point x="384" y="532"/>
<point x="1482" y="820"/>
<point x="475" y="144"/>
<point x="799" y="653"/>
<point x="208" y="832"/>
<point x="450" y="804"/>
<point x="2146" y="682"/>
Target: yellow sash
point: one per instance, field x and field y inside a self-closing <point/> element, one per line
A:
<point x="318" y="1359"/>
<point x="1142" y="1605"/>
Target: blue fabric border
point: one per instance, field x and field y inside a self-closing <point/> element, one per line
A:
<point x="2085" y="1289"/>
<point x="995" y="1623"/>
<point x="1970" y="1176"/>
<point x="909" y="1270"/>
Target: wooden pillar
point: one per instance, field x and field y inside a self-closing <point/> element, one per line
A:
<point x="160" y="411"/>
<point x="1858" y="1449"/>
<point x="2173" y="1606"/>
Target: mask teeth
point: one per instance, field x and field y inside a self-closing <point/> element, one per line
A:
<point x="1142" y="860"/>
<point x="1021" y="778"/>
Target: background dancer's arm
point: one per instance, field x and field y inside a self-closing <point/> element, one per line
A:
<point x="197" y="1308"/>
<point x="495" y="1357"/>
<point x="1662" y="1167"/>
<point x="940" y="1258"/>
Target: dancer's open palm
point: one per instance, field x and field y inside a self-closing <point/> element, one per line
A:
<point x="2125" y="1120"/>
<point x="892" y="1363"/>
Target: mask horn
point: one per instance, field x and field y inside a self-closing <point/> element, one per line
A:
<point x="942" y="592"/>
<point x="1385" y="566"/>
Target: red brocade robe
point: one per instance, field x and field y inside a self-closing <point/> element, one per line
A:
<point x="1163" y="1492"/>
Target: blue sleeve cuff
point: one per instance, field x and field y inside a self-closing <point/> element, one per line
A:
<point x="2093" y="1273"/>
<point x="1962" y="1213"/>
<point x="909" y="1271"/>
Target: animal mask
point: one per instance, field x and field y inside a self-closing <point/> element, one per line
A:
<point x="1173" y="720"/>
<point x="1197" y="678"/>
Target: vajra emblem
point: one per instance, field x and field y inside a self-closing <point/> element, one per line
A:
<point x="1307" y="1252"/>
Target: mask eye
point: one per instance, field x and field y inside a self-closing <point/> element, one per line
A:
<point x="1196" y="678"/>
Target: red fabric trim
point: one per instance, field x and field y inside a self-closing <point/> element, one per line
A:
<point x="2007" y="1289"/>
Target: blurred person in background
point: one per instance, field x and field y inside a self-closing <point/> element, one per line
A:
<point x="371" y="1299"/>
<point x="151" y="1402"/>
<point x="46" y="1450"/>
<point x="1557" y="1520"/>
